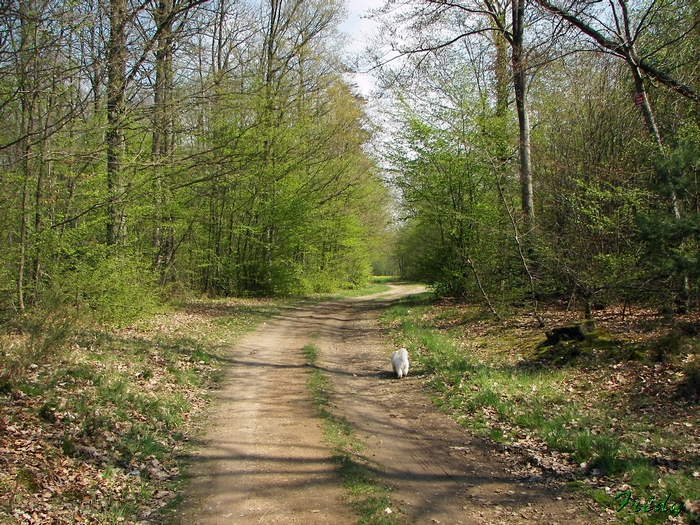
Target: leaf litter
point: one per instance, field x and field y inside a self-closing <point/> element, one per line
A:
<point x="629" y="383"/>
<point x="95" y="431"/>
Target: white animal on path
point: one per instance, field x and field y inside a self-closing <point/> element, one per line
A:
<point x="399" y="360"/>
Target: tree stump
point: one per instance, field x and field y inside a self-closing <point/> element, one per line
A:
<point x="571" y="332"/>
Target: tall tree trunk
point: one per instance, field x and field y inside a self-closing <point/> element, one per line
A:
<point x="27" y="71"/>
<point x="521" y="92"/>
<point x="38" y="211"/>
<point x="116" y="97"/>
<point x="502" y="88"/>
<point x="650" y="121"/>
<point x="44" y="174"/>
<point x="23" y="231"/>
<point x="95" y="69"/>
<point x="163" y="234"/>
<point x="648" y="113"/>
<point x="217" y="45"/>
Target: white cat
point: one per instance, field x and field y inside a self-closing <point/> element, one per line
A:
<point x="399" y="360"/>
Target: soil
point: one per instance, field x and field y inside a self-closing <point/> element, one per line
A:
<point x="264" y="460"/>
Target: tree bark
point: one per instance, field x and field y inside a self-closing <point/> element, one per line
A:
<point x="501" y="74"/>
<point x="116" y="98"/>
<point x="163" y="234"/>
<point x="23" y="233"/>
<point x="28" y="93"/>
<point x="520" y="85"/>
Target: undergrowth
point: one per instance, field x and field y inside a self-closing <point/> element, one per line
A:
<point x="377" y="285"/>
<point x="94" y="419"/>
<point x="623" y="411"/>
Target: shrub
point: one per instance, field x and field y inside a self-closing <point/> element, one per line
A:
<point x="117" y="289"/>
<point x="689" y="388"/>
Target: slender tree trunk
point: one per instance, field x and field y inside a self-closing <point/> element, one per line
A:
<point x="271" y="45"/>
<point x="502" y="87"/>
<point x="27" y="71"/>
<point x="469" y="262"/>
<point x="648" y="113"/>
<point x="116" y="95"/>
<point x="23" y="234"/>
<point x="44" y="174"/>
<point x="38" y="219"/>
<point x="218" y="42"/>
<point x="26" y="129"/>
<point x="95" y="69"/>
<point x="650" y="121"/>
<point x="502" y="90"/>
<point x="521" y="92"/>
<point x="645" y="106"/>
<point x="521" y="253"/>
<point x="163" y="235"/>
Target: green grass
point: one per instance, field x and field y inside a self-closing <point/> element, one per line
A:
<point x="310" y="352"/>
<point x="116" y="403"/>
<point x="498" y="398"/>
<point x="384" y="279"/>
<point x="378" y="284"/>
<point x="369" y="289"/>
<point x="366" y="496"/>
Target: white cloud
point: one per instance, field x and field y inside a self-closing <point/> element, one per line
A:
<point x="357" y="26"/>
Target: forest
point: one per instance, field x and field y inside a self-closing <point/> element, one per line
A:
<point x="511" y="151"/>
<point x="155" y="147"/>
<point x="546" y="150"/>
<point x="173" y="173"/>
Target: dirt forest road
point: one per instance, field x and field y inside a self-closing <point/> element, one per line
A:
<point x="264" y="460"/>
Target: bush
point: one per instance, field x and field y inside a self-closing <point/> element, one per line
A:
<point x="28" y="341"/>
<point x="689" y="388"/>
<point x="116" y="289"/>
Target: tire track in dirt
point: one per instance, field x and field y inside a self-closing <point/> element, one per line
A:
<point x="264" y="459"/>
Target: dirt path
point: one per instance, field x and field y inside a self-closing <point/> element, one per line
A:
<point x="265" y="462"/>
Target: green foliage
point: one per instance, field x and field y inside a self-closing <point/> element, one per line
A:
<point x="302" y="214"/>
<point x="456" y="234"/>
<point x="114" y="289"/>
<point x="261" y="184"/>
<point x="671" y="242"/>
<point x="606" y="232"/>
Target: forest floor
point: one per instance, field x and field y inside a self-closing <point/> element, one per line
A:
<point x="263" y="459"/>
<point x="301" y="420"/>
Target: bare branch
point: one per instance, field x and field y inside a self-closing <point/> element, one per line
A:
<point x="623" y="49"/>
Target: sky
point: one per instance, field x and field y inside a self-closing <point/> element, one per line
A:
<point x="355" y="25"/>
<point x="358" y="28"/>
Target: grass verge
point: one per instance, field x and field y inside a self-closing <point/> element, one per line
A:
<point x="605" y="415"/>
<point x="94" y="420"/>
<point x="377" y="285"/>
<point x="368" y="498"/>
